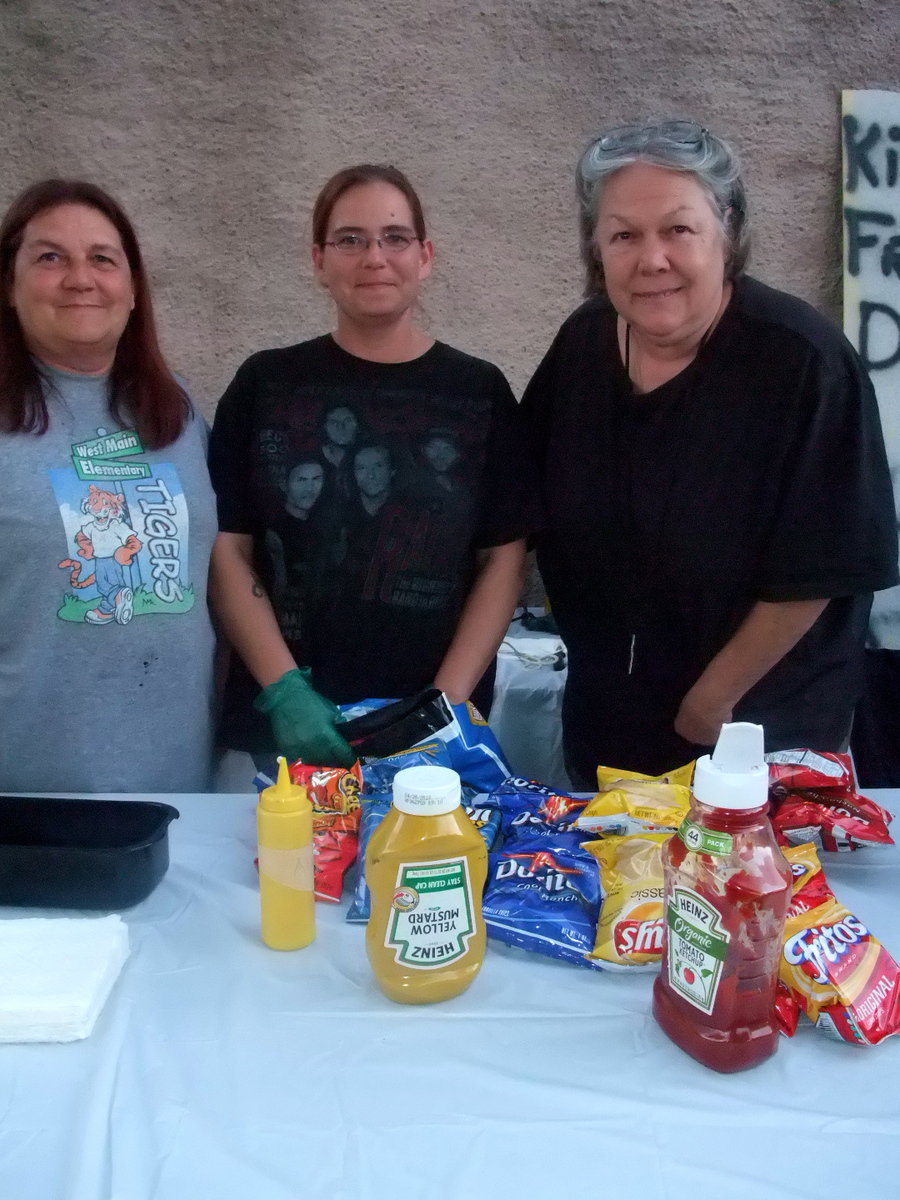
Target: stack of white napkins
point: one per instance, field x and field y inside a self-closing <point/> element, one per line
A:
<point x="56" y="974"/>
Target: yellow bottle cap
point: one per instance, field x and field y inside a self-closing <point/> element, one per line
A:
<point x="283" y="796"/>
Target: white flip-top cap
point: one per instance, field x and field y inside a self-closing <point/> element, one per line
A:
<point x="736" y="775"/>
<point x="426" y="791"/>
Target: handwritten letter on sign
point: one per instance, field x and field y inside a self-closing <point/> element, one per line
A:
<point x="871" y="145"/>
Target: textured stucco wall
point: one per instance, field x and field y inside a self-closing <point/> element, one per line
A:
<point x="216" y="123"/>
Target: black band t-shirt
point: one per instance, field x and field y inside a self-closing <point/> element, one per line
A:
<point x="368" y="489"/>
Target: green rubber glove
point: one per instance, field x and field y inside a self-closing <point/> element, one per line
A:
<point x="303" y="721"/>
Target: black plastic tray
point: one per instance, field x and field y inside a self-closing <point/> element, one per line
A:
<point x="97" y="854"/>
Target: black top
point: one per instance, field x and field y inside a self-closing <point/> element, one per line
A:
<point x="404" y="471"/>
<point x="757" y="473"/>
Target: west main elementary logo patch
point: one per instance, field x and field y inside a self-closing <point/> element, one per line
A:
<point x="126" y="533"/>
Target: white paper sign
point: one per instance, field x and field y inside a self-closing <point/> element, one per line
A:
<point x="871" y="160"/>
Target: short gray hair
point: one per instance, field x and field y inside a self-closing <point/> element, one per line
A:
<point x="678" y="146"/>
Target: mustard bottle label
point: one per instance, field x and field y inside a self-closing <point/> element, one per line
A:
<point x="430" y="921"/>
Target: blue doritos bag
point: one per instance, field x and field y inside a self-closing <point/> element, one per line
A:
<point x="543" y="895"/>
<point x="531" y="809"/>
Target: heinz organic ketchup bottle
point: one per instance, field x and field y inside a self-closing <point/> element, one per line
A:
<point x="727" y="887"/>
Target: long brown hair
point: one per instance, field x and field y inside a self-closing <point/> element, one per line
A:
<point x="142" y="389"/>
<point x="353" y="177"/>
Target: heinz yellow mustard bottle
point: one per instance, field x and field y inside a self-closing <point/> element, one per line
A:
<point x="286" y="890"/>
<point x="425" y="866"/>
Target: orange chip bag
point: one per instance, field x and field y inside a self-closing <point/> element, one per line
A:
<point x="631" y="926"/>
<point x="330" y="789"/>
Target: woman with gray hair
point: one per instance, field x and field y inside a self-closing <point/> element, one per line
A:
<point x="718" y="509"/>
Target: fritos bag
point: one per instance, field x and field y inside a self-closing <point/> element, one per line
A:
<point x="839" y="974"/>
<point x="631" y="925"/>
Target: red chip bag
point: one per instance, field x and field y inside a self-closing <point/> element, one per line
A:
<point x="810" y="768"/>
<point x="334" y="795"/>
<point x="335" y="843"/>
<point x="831" y="819"/>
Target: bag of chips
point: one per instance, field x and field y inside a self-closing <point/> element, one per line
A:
<point x="535" y="810"/>
<point x="615" y="777"/>
<point x="832" y="966"/>
<point x="830" y="818"/>
<point x="632" y="807"/>
<point x="330" y="789"/>
<point x="631" y="927"/>
<point x="791" y="769"/>
<point x="543" y="895"/>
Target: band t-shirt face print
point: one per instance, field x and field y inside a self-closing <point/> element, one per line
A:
<point x="368" y="488"/>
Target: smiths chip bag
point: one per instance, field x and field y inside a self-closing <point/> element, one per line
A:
<point x="631" y="925"/>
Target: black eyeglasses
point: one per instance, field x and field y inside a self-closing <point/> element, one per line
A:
<point x="630" y="137"/>
<point x="356" y="243"/>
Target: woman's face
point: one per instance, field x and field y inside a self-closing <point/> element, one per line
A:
<point x="663" y="252"/>
<point x="304" y="485"/>
<point x="374" y="287"/>
<point x="72" y="288"/>
<point x="372" y="470"/>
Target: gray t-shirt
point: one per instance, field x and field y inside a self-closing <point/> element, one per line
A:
<point x="106" y="645"/>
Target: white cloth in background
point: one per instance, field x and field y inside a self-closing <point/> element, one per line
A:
<point x="526" y="711"/>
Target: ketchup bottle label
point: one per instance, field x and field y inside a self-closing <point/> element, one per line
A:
<point x="698" y="946"/>
<point x="431" y="920"/>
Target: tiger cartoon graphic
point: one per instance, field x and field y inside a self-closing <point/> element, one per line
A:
<point x="111" y="544"/>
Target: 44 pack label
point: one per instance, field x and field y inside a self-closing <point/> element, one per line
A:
<point x="431" y="919"/>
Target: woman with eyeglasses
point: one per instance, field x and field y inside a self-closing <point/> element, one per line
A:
<point x="718" y="506"/>
<point x="415" y="591"/>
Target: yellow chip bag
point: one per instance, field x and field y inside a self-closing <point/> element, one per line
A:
<point x="631" y="926"/>
<point x="611" y="777"/>
<point x="646" y="802"/>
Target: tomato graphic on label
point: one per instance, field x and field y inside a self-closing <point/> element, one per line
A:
<point x="689" y="976"/>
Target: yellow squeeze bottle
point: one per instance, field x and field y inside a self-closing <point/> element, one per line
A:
<point x="425" y="866"/>
<point x="286" y="890"/>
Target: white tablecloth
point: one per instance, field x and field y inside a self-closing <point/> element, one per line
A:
<point x="220" y="1070"/>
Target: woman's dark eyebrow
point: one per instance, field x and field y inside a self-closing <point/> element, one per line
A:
<point x="361" y="230"/>
<point x="48" y="244"/>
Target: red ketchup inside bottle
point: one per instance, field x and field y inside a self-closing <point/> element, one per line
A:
<point x="727" y="888"/>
